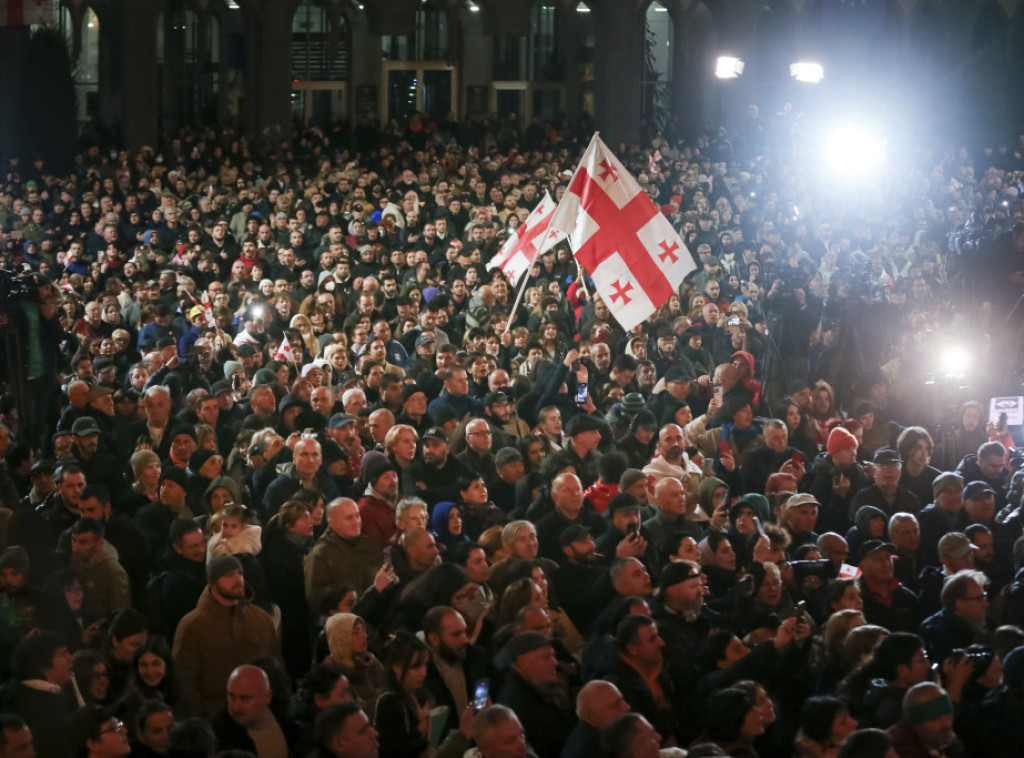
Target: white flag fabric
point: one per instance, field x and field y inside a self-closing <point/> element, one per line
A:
<point x="519" y="251"/>
<point x="620" y="237"/>
<point x="285" y="352"/>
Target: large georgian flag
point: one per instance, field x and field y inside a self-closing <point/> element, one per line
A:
<point x="519" y="251"/>
<point x="633" y="254"/>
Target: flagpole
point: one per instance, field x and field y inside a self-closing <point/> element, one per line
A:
<point x="519" y="297"/>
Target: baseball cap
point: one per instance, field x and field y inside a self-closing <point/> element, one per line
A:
<point x="803" y="498"/>
<point x="886" y="456"/>
<point x="873" y="546"/>
<point x="978" y="489"/>
<point x="85" y="426"/>
<point x="435" y="433"/>
<point x="955" y="545"/>
<point x="339" y="420"/>
<point x="621" y="502"/>
<point x="677" y="573"/>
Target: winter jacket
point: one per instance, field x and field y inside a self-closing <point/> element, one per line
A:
<point x="105" y="582"/>
<point x="336" y="561"/>
<point x="944" y="631"/>
<point x="211" y="642"/>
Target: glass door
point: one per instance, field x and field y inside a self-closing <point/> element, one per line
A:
<point x="508" y="98"/>
<point x="320" y="101"/>
<point x="430" y="88"/>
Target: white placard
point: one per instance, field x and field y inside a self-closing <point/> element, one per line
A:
<point x="1013" y="407"/>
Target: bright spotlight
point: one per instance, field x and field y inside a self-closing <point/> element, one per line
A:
<point x="812" y="73"/>
<point x="727" y="67"/>
<point x="853" y="151"/>
<point x="953" y="360"/>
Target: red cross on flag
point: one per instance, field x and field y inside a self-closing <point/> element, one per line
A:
<point x="519" y="250"/>
<point x="25" y="12"/>
<point x="285" y="352"/>
<point x="633" y="254"/>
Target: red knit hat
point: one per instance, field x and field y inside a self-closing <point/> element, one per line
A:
<point x="840" y="439"/>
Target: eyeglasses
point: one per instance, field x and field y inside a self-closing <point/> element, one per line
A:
<point x="975" y="598"/>
<point x="487" y="434"/>
<point x="117" y="728"/>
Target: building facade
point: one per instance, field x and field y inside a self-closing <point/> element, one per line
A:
<point x="632" y="67"/>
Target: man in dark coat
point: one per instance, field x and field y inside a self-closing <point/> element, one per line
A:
<point x="528" y="691"/>
<point x="640" y="674"/>
<point x="155" y="519"/>
<point x="961" y="622"/>
<point x="38" y="530"/>
<point x="434" y="476"/>
<point x="887" y="603"/>
<point x="173" y="593"/>
<point x="455" y="665"/>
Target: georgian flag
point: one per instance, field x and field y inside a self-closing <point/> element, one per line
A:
<point x="285" y="352"/>
<point x="619" y="236"/>
<point x="530" y="237"/>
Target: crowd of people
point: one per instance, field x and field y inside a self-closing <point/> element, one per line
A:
<point x="287" y="471"/>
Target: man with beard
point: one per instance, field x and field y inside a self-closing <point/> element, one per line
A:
<point x="223" y="632"/>
<point x="671" y="460"/>
<point x="498" y="413"/>
<point x="454" y="665"/>
<point x="434" y="477"/>
<point x="583" y="587"/>
<point x="684" y="624"/>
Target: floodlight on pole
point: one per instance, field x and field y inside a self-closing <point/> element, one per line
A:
<point x="805" y="71"/>
<point x="727" y="67"/>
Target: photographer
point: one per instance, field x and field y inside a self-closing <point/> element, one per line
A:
<point x="32" y="336"/>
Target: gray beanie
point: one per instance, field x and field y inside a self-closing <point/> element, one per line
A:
<point x="221" y="566"/>
<point x="231" y="367"/>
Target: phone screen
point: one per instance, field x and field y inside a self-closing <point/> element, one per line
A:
<point x="481" y="694"/>
<point x="581" y="392"/>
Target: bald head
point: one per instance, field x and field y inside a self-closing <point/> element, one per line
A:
<point x="249" y="696"/>
<point x="726" y="376"/>
<point x="78" y="391"/>
<point x="599" y="703"/>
